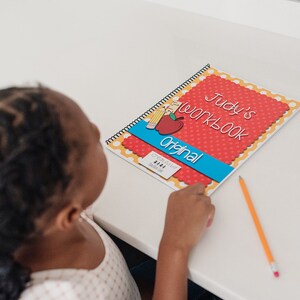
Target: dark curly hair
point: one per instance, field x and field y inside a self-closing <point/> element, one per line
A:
<point x="33" y="156"/>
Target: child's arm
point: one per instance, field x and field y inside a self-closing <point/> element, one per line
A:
<point x="189" y="212"/>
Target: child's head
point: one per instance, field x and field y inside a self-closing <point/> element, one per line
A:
<point x="51" y="167"/>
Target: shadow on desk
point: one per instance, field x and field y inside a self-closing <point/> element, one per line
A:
<point x="142" y="268"/>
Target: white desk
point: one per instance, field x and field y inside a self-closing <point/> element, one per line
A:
<point x="117" y="58"/>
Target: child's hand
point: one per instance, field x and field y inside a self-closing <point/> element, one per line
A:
<point x="189" y="212"/>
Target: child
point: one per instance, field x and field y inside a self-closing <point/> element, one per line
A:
<point x="52" y="167"/>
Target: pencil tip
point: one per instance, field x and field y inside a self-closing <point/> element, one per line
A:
<point x="240" y="177"/>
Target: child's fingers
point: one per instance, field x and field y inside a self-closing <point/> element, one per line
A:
<point x="211" y="216"/>
<point x="205" y="199"/>
<point x="197" y="188"/>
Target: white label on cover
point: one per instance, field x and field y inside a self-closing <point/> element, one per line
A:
<point x="159" y="165"/>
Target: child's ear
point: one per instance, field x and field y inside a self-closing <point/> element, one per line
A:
<point x="67" y="217"/>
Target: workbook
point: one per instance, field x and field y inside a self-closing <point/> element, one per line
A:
<point x="203" y="130"/>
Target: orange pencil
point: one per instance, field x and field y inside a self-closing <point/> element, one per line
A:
<point x="260" y="232"/>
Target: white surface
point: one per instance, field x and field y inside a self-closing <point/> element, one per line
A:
<point x="117" y="58"/>
<point x="280" y="16"/>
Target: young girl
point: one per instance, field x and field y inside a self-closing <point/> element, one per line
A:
<point x="52" y="167"/>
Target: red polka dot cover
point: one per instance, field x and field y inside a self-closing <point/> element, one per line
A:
<point x="203" y="130"/>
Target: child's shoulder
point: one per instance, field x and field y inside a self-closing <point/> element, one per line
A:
<point x="110" y="278"/>
<point x="53" y="289"/>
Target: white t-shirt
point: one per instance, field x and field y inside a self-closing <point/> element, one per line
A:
<point x="110" y="280"/>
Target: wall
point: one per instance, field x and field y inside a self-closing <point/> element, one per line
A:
<point x="280" y="16"/>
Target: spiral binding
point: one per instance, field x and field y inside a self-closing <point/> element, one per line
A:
<point x="157" y="105"/>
